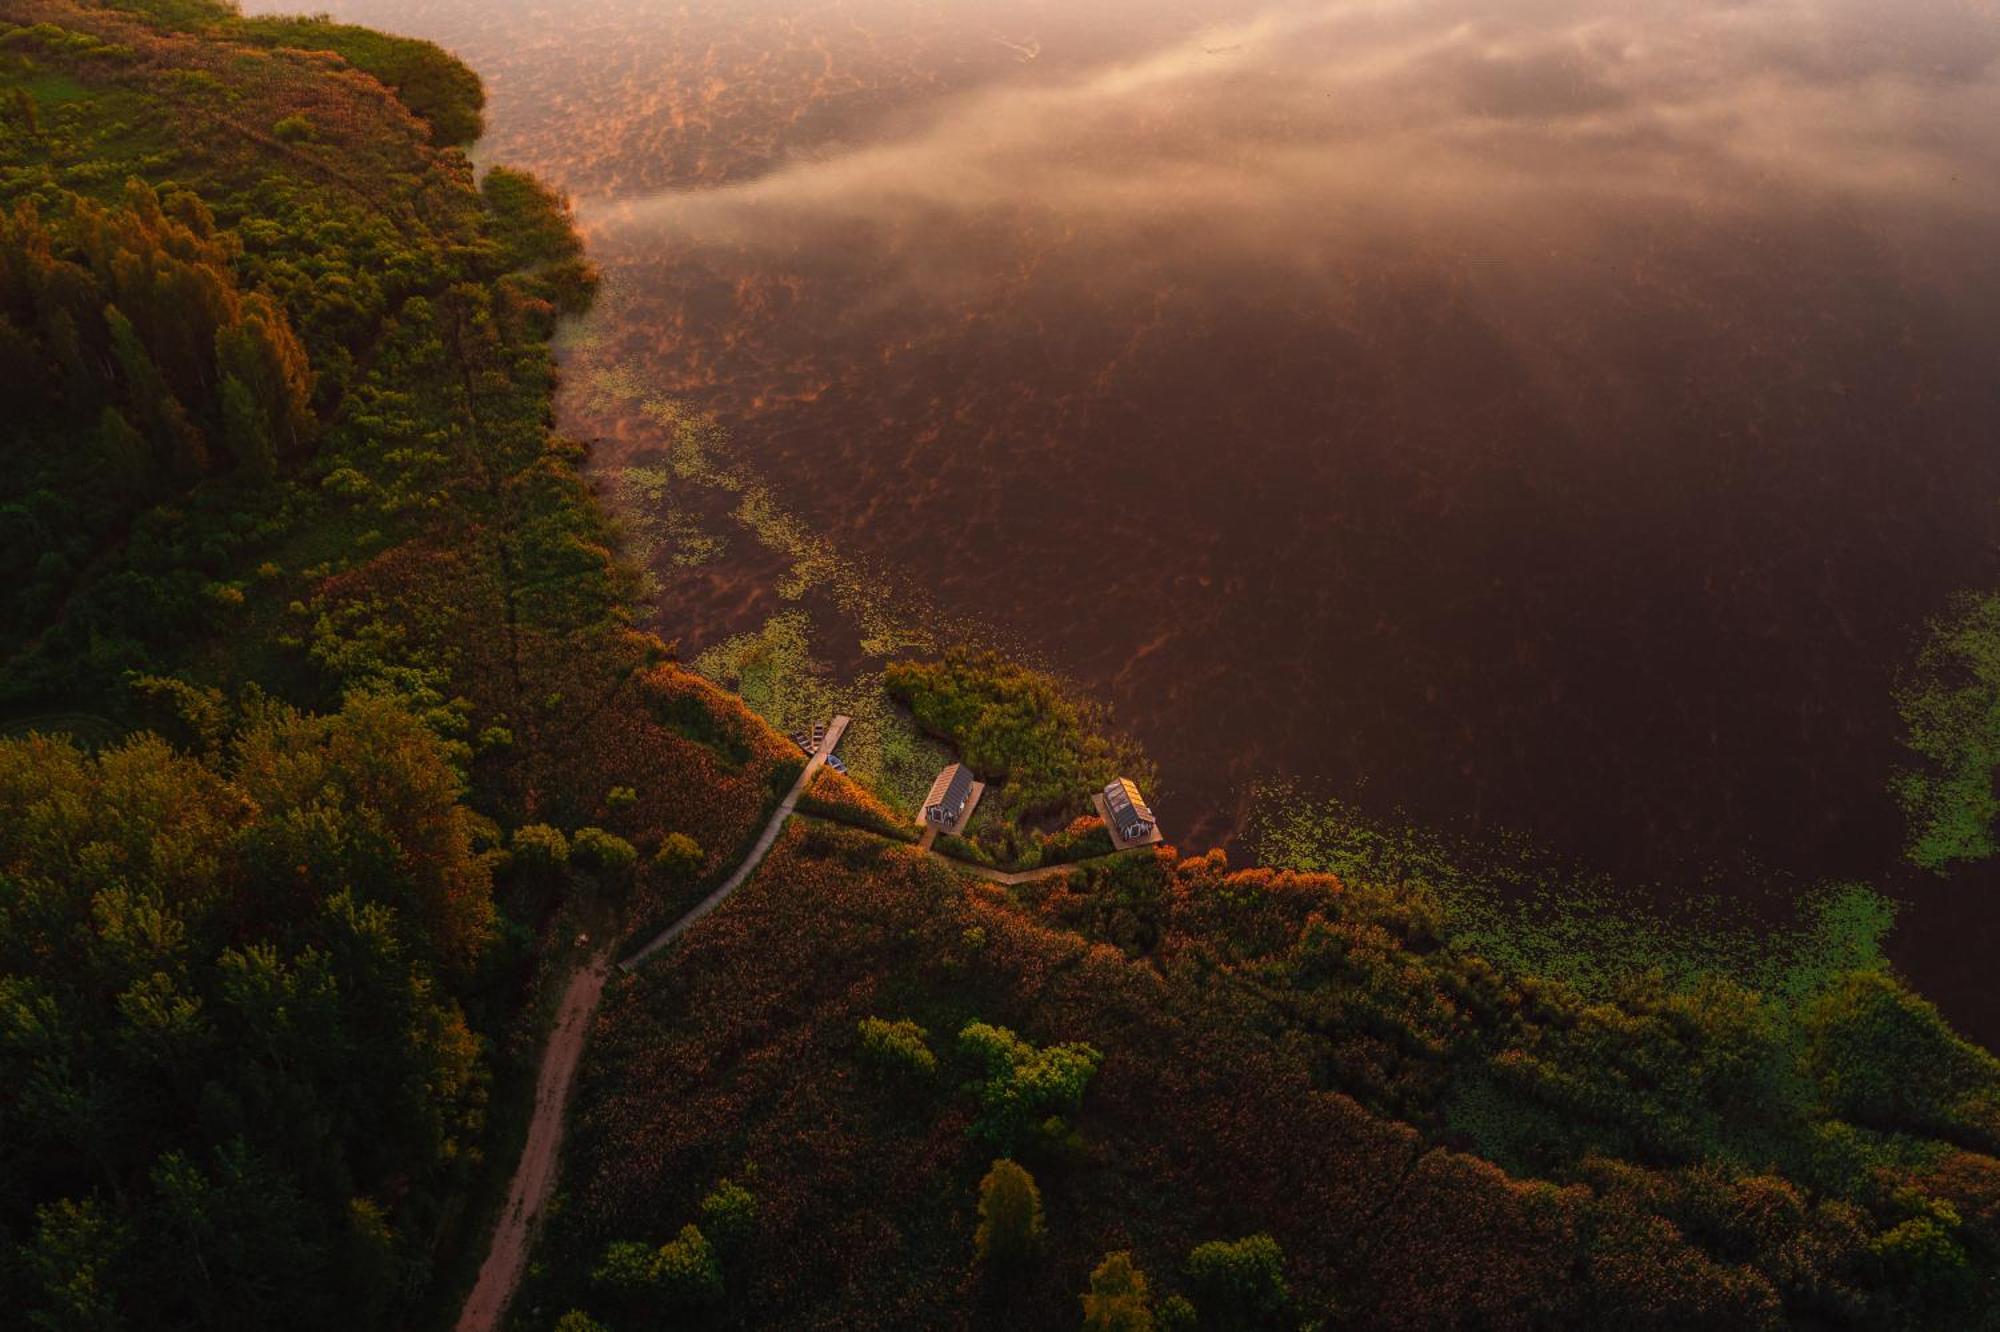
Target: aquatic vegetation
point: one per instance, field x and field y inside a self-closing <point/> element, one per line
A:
<point x="1528" y="913"/>
<point x="1950" y="706"/>
<point x="1048" y="748"/>
<point x="777" y="674"/>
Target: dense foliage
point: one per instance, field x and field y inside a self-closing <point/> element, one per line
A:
<point x="296" y="551"/>
<point x="226" y="1010"/>
<point x="1310" y="1103"/>
<point x="1015" y="726"/>
<point x="372" y="739"/>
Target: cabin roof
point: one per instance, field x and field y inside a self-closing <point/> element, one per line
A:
<point x="953" y="784"/>
<point x="1122" y="798"/>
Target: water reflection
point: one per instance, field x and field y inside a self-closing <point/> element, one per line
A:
<point x="1555" y="415"/>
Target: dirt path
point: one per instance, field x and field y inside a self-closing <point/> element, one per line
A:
<point x="535" y="1176"/>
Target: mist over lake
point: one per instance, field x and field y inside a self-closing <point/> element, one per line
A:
<point x="1556" y="418"/>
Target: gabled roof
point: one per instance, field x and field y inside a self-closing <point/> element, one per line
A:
<point x="952" y="786"/>
<point x="1127" y="806"/>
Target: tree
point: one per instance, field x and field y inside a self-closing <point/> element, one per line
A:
<point x="1011" y="1230"/>
<point x="539" y="851"/>
<point x="729" y="1215"/>
<point x="1240" y="1283"/>
<point x="244" y="433"/>
<point x="1117" y="1301"/>
<point x="897" y="1047"/>
<point x="1024" y="1087"/>
<point x="126" y="461"/>
<point x="679" y="857"/>
<point x="576" y="1320"/>
<point x="605" y="856"/>
<point x="686" y="1270"/>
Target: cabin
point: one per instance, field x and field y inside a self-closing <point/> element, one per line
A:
<point x="1125" y="810"/>
<point x="945" y="805"/>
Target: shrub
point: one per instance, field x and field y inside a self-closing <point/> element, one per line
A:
<point x="1240" y="1283"/>
<point x="621" y="797"/>
<point x="1023" y="1086"/>
<point x="1117" y="1301"/>
<point x="686" y="1271"/>
<point x="679" y="857"/>
<point x="295" y="129"/>
<point x="729" y="1214"/>
<point x="1177" y="1315"/>
<point x="576" y="1320"/>
<point x="606" y="856"/>
<point x="897" y="1047"/>
<point x="1010" y="1230"/>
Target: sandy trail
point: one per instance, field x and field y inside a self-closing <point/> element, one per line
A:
<point x="535" y="1175"/>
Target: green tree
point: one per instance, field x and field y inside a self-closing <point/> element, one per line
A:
<point x="679" y="857"/>
<point x="244" y="433"/>
<point x="1023" y="1087"/>
<point x="686" y="1270"/>
<point x="126" y="460"/>
<point x="1011" y="1230"/>
<point x="729" y="1215"/>
<point x="1117" y="1301"/>
<point x="605" y="856"/>
<point x="539" y="851"/>
<point x="897" y="1047"/>
<point x="1240" y="1284"/>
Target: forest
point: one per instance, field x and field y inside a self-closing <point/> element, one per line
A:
<point x="326" y="740"/>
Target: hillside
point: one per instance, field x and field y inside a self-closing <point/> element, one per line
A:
<point x="334" y="752"/>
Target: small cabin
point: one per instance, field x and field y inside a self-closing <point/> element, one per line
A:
<point x="1126" y="810"/>
<point x="945" y="805"/>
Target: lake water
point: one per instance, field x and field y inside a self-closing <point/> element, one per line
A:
<point x="1553" y="418"/>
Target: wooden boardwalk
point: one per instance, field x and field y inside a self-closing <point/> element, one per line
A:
<point x="758" y="851"/>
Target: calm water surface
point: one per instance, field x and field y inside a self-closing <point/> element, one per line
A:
<point x="1553" y="416"/>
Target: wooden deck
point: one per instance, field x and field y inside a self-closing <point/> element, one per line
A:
<point x="932" y="830"/>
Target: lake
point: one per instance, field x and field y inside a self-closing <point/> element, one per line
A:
<point x="1552" y="420"/>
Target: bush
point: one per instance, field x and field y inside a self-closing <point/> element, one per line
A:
<point x="729" y="1215"/>
<point x="576" y="1320"/>
<point x="1177" y="1315"/>
<point x="621" y="797"/>
<point x="1023" y="1087"/>
<point x="295" y="129"/>
<point x="1240" y="1283"/>
<point x="679" y="857"/>
<point x="604" y="855"/>
<point x="686" y="1270"/>
<point x="897" y="1047"/>
<point x="1117" y="1301"/>
<point x="1011" y="1230"/>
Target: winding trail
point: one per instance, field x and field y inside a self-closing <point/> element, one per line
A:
<point x="757" y="852"/>
<point x="535" y="1176"/>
